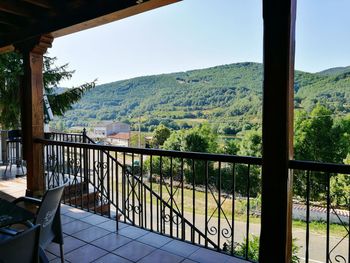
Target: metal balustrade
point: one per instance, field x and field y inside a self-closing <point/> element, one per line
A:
<point x="205" y="199"/>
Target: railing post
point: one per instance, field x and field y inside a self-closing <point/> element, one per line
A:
<point x="85" y="161"/>
<point x="279" y="41"/>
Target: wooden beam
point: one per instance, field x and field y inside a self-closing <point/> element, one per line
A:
<point x="89" y="14"/>
<point x="8" y="25"/>
<point x="14" y="8"/>
<point x="279" y="38"/>
<point x="97" y="20"/>
<point x="11" y="19"/>
<point x="32" y="110"/>
<point x="6" y="49"/>
<point x="42" y="3"/>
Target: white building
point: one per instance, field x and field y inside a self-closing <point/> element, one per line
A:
<point x="119" y="139"/>
<point x="106" y="128"/>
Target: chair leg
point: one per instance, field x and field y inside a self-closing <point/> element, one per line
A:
<point x="5" y="169"/>
<point x="62" y="253"/>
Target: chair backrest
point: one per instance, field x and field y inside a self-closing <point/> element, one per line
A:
<point x="22" y="248"/>
<point x="48" y="215"/>
<point x="12" y="134"/>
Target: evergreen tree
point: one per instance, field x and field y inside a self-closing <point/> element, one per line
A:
<point x="11" y="70"/>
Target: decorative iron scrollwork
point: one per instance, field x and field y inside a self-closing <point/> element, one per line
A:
<point x="339" y="258"/>
<point x="135" y="208"/>
<point x="166" y="217"/>
<point x="73" y="162"/>
<point x="99" y="165"/>
<point x="226" y="233"/>
<point x="212" y="230"/>
<point x="177" y="220"/>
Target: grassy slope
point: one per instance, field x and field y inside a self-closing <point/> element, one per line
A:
<point x="229" y="95"/>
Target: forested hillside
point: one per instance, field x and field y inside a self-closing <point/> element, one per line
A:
<point x="229" y="96"/>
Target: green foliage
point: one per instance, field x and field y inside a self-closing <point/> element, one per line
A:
<point x="230" y="147"/>
<point x="340" y="187"/>
<point x="318" y="138"/>
<point x="160" y="135"/>
<point x="163" y="166"/>
<point x="252" y="246"/>
<point x="314" y="136"/>
<point x="241" y="174"/>
<point x="62" y="102"/>
<point x="10" y="73"/>
<point x="251" y="144"/>
<point x="228" y="96"/>
<point x="175" y="141"/>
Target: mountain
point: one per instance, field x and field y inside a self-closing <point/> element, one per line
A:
<point x="335" y="71"/>
<point x="228" y="96"/>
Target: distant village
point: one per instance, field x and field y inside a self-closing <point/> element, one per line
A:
<point x="111" y="133"/>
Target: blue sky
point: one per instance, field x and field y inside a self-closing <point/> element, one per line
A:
<point x="201" y="33"/>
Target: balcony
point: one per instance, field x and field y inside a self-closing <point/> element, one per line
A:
<point x="201" y="201"/>
<point x="180" y="190"/>
<point x="91" y="237"/>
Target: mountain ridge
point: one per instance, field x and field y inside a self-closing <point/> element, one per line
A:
<point x="230" y="95"/>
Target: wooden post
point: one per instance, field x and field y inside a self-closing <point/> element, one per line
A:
<point x="32" y="111"/>
<point x="279" y="42"/>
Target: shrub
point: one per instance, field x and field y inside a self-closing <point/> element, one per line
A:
<point x="239" y="249"/>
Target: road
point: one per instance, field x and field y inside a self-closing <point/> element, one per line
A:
<point x="317" y="247"/>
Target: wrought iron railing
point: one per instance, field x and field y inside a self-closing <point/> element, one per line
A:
<point x="195" y="197"/>
<point x="208" y="199"/>
<point x="323" y="190"/>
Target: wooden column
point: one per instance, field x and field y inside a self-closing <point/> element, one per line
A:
<point x="279" y="41"/>
<point x="32" y="110"/>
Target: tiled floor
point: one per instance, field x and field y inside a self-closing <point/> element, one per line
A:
<point x="93" y="238"/>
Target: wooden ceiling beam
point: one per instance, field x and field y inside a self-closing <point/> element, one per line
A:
<point x="15" y="8"/>
<point x="97" y="20"/>
<point x="41" y="3"/>
<point x="8" y="25"/>
<point x="85" y="15"/>
<point x="11" y="19"/>
<point x="6" y="49"/>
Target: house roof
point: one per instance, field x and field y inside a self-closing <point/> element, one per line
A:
<point x="22" y="20"/>
<point x="120" y="135"/>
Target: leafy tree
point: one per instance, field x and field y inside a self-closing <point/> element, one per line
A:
<point x="317" y="138"/>
<point x="11" y="70"/>
<point x="160" y="135"/>
<point x="314" y="136"/>
<point x="251" y="144"/>
<point x="342" y="136"/>
<point x="199" y="139"/>
<point x="340" y="186"/>
<point x="175" y="141"/>
<point x="230" y="147"/>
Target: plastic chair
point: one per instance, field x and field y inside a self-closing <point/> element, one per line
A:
<point x="22" y="248"/>
<point x="48" y="215"/>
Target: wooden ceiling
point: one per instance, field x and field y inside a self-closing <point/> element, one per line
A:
<point x="23" y="19"/>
